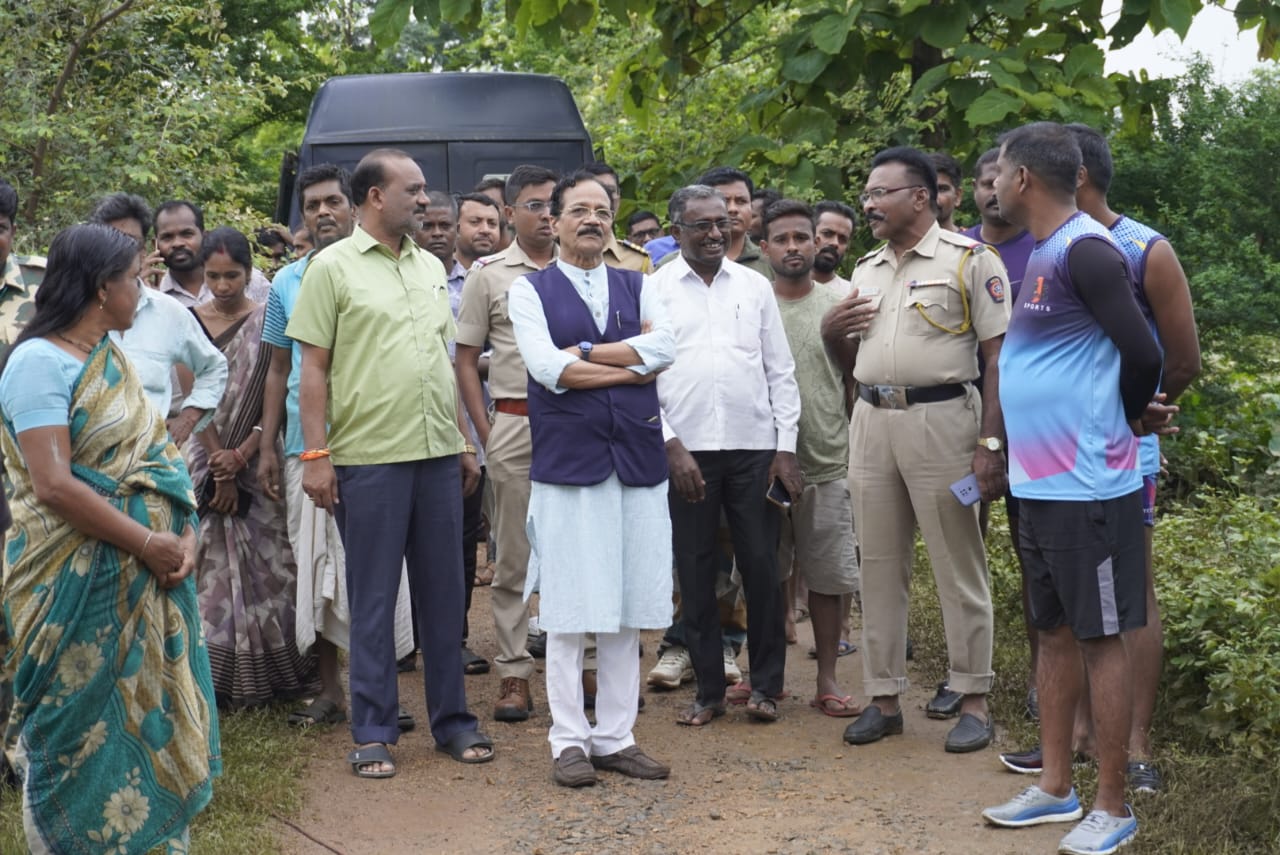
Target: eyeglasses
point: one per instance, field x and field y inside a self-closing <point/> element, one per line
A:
<point x="880" y="192"/>
<point x="703" y="227"/>
<point x="537" y="206"/>
<point x="645" y="235"/>
<point x="581" y="212"/>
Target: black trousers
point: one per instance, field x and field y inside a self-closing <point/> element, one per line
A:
<point x="472" y="523"/>
<point x="736" y="482"/>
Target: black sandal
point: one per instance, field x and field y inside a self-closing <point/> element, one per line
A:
<point x="368" y="756"/>
<point x="456" y="747"/>
<point x="699" y="714"/>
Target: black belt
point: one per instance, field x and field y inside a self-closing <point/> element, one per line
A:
<point x="901" y="397"/>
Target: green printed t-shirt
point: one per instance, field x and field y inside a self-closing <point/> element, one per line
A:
<point x="823" y="444"/>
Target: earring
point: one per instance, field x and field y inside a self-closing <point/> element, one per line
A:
<point x="102" y="306"/>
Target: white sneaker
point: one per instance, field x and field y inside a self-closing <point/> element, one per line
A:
<point x="1100" y="834"/>
<point x="674" y="668"/>
<point x="1033" y="806"/>
<point x="732" y="673"/>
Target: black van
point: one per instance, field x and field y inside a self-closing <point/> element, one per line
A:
<point x="459" y="126"/>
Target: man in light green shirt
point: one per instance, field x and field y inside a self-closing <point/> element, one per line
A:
<point x="373" y="320"/>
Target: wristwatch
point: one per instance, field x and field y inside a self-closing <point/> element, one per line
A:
<point x="991" y="443"/>
<point x="585" y="347"/>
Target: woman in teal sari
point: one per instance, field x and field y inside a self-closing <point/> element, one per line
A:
<point x="112" y="729"/>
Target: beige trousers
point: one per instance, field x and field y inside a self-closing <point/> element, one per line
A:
<point x="507" y="458"/>
<point x="901" y="466"/>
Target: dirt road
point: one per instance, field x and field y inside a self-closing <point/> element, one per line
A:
<point x="736" y="785"/>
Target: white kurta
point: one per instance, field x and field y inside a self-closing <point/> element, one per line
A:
<point x="600" y="556"/>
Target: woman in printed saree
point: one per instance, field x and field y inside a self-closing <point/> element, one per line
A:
<point x="246" y="577"/>
<point x="112" y="729"/>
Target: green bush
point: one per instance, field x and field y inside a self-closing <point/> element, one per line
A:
<point x="1218" y="582"/>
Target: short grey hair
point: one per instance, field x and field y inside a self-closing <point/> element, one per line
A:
<point x="682" y="197"/>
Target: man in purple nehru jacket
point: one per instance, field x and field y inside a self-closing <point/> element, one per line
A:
<point x="593" y="339"/>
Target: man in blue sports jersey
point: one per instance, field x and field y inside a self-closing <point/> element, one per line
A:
<point x="1079" y="371"/>
<point x="1165" y="299"/>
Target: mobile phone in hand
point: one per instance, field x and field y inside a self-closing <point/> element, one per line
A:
<point x="966" y="490"/>
<point x="778" y="494"/>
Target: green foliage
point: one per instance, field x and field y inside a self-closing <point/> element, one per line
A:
<point x="131" y="95"/>
<point x="1198" y="178"/>
<point x="1218" y="582"/>
<point x="1230" y="422"/>
<point x="971" y="67"/>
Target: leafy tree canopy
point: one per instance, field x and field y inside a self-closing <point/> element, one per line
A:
<point x="947" y="73"/>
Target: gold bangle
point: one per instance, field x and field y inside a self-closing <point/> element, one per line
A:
<point x="146" y="543"/>
<point x="468" y="448"/>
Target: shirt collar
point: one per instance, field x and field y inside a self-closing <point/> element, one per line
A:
<point x="364" y="242"/>
<point x="515" y="255"/>
<point x="926" y="247"/>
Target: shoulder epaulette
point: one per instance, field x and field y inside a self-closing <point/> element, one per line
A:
<point x="634" y="247"/>
<point x="959" y="239"/>
<point x="869" y="255"/>
<point x="485" y="260"/>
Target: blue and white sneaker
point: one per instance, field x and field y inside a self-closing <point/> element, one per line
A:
<point x="1100" y="834"/>
<point x="1033" y="806"/>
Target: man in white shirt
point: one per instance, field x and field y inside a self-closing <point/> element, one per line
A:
<point x="164" y="334"/>
<point x="730" y="413"/>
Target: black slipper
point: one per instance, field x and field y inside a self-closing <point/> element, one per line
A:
<point x="457" y="746"/>
<point x="368" y="755"/>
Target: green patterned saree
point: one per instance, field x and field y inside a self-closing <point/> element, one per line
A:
<point x="112" y="730"/>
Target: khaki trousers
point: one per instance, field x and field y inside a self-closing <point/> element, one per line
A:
<point x="901" y="466"/>
<point x="507" y="458"/>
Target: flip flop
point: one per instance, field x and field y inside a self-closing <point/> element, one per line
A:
<point x="319" y="711"/>
<point x="369" y="755"/>
<point x="844" y="648"/>
<point x="699" y="715"/>
<point x="762" y="707"/>
<point x="836" y="706"/>
<point x="456" y="747"/>
<point x="740" y="693"/>
<point x="405" y="721"/>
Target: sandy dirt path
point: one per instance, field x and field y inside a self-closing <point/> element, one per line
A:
<point x="736" y="785"/>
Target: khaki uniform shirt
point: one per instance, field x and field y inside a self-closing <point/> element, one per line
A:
<point x="22" y="276"/>
<point x="386" y="319"/>
<point x="919" y="294"/>
<point x="625" y="255"/>
<point x="483" y="317"/>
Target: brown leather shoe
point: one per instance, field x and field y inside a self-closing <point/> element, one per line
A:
<point x="515" y="703"/>
<point x="572" y="769"/>
<point x="633" y="763"/>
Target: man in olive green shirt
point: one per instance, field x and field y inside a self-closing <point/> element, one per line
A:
<point x="373" y="320"/>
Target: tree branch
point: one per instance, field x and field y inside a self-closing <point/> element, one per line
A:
<point x="55" y="102"/>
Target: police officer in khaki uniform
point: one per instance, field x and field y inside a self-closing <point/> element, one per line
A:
<point x="922" y="306"/>
<point x="508" y="447"/>
<point x="22" y="275"/>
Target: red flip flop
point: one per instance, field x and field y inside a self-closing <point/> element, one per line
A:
<point x="836" y="706"/>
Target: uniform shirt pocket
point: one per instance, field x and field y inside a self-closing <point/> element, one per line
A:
<point x="928" y="300"/>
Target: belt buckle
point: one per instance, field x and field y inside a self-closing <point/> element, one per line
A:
<point x="891" y="397"/>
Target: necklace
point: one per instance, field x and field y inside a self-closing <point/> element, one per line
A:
<point x="79" y="345"/>
<point x="224" y="315"/>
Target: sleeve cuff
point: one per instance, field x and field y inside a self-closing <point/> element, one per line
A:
<point x="787" y="440"/>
